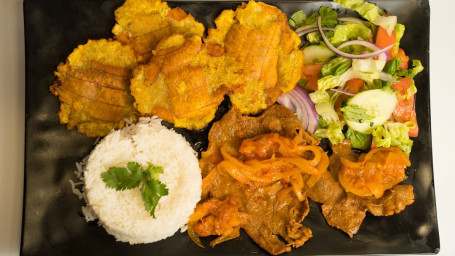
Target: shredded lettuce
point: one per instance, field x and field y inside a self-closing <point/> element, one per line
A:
<point x="336" y="66"/>
<point x="370" y="67"/>
<point x="411" y="73"/>
<point x="358" y="140"/>
<point x="399" y="30"/>
<point x="367" y="10"/>
<point x="371" y="12"/>
<point x="297" y="19"/>
<point x="329" y="18"/>
<point x="332" y="81"/>
<point x="350" y="31"/>
<point x="330" y="126"/>
<point x="387" y="22"/>
<point x="392" y="134"/>
<point x="392" y="66"/>
<point x="366" y="69"/>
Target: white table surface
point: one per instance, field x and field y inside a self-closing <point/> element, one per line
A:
<point x="442" y="59"/>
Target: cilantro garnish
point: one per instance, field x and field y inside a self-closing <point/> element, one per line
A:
<point x="133" y="176"/>
<point x="355" y="113"/>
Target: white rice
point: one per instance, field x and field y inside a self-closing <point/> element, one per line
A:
<point x="122" y="213"/>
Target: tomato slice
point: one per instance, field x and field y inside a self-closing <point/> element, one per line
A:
<point x="404" y="110"/>
<point x="404" y="59"/>
<point x="383" y="39"/>
<point x="311" y="75"/>
<point x="354" y="85"/>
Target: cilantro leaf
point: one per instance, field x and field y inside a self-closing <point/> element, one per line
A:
<point x="301" y="83"/>
<point x="355" y="113"/>
<point x="154" y="171"/>
<point x="151" y="193"/>
<point x="123" y="178"/>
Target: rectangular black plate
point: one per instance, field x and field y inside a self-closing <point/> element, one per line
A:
<point x="53" y="223"/>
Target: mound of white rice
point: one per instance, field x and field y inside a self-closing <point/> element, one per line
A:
<point x="122" y="213"/>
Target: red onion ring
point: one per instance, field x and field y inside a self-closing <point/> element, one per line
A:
<point x="351" y="19"/>
<point x="299" y="102"/>
<point x="387" y="77"/>
<point x="348" y="55"/>
<point x="308" y="29"/>
<point x="343" y="91"/>
<point x="382" y="56"/>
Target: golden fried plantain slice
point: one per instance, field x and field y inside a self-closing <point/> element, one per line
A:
<point x="258" y="37"/>
<point x="182" y="83"/>
<point x="143" y="23"/>
<point x="93" y="87"/>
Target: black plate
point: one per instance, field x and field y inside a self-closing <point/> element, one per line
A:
<point x="53" y="223"/>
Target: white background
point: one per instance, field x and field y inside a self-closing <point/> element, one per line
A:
<point x="442" y="59"/>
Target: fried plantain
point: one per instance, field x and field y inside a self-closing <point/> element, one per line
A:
<point x="143" y="23"/>
<point x="258" y="37"/>
<point x="93" y="87"/>
<point x="182" y="84"/>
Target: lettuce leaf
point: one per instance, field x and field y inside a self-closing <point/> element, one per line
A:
<point x="358" y="139"/>
<point x="329" y="18"/>
<point x="392" y="66"/>
<point x="411" y="73"/>
<point x="330" y="125"/>
<point x="336" y="66"/>
<point x="297" y="19"/>
<point x="399" y="30"/>
<point x="392" y="134"/>
<point x="366" y="69"/>
<point x="367" y="10"/>
<point x="350" y="31"/>
<point x="371" y="12"/>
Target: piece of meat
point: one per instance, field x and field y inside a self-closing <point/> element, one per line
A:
<point x="234" y="127"/>
<point x="274" y="209"/>
<point x="93" y="87"/>
<point x="262" y="44"/>
<point x="346" y="214"/>
<point x="216" y="217"/>
<point x="374" y="172"/>
<point x="275" y="212"/>
<point x="182" y="84"/>
<point x="345" y="210"/>
<point x="142" y="24"/>
<point x="392" y="202"/>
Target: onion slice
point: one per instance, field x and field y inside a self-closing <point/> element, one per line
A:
<point x="382" y="56"/>
<point x="349" y="55"/>
<point x="387" y="77"/>
<point x="311" y="28"/>
<point x="299" y="102"/>
<point x="343" y="91"/>
<point x="352" y="19"/>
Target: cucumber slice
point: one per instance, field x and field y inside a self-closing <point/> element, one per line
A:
<point x="317" y="54"/>
<point x="379" y="105"/>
